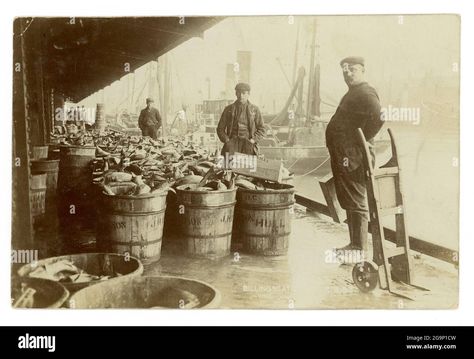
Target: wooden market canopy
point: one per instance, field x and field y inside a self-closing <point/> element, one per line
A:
<point x="83" y="55"/>
<point x="57" y="59"/>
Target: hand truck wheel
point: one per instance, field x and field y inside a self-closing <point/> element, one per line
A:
<point x="366" y="276"/>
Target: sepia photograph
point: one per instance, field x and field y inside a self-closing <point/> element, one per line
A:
<point x="236" y="162"/>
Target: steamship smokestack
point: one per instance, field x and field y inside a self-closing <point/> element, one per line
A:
<point x="244" y="59"/>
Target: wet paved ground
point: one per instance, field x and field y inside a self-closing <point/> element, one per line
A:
<point x="301" y="280"/>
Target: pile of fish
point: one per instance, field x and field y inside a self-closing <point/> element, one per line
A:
<point x="136" y="165"/>
<point x="140" y="165"/>
<point x="216" y="179"/>
<point x="72" y="135"/>
<point x="66" y="271"/>
<point x="76" y="136"/>
<point x="257" y="184"/>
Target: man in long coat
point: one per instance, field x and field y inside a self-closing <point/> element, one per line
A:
<point x="359" y="108"/>
<point x="241" y="125"/>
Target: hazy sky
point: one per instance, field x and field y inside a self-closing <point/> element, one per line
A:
<point x="399" y="53"/>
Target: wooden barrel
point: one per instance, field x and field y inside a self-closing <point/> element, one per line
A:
<point x="100" y="122"/>
<point x="47" y="294"/>
<point x="171" y="228"/>
<point x="50" y="167"/>
<point x="74" y="168"/>
<point x="98" y="264"/>
<point x="40" y="152"/>
<point x="161" y="292"/>
<point x="265" y="219"/>
<point x="53" y="151"/>
<point x="75" y="188"/>
<point x="206" y="221"/>
<point x="132" y="224"/>
<point x="38" y="194"/>
<point x="54" y="141"/>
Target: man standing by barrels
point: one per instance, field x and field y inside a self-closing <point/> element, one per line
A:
<point x="241" y="125"/>
<point x="359" y="108"/>
<point x="149" y="120"/>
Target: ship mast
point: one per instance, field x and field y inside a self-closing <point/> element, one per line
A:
<point x="295" y="60"/>
<point x="311" y="72"/>
<point x="295" y="79"/>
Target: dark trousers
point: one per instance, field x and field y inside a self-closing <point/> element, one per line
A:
<point x="358" y="229"/>
<point x="150" y="131"/>
<point x="352" y="195"/>
<point x="240" y="145"/>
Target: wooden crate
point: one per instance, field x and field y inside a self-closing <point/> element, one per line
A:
<point x="265" y="169"/>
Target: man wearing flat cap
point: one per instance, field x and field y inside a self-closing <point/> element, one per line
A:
<point x="359" y="108"/>
<point x="149" y="120"/>
<point x="241" y="125"/>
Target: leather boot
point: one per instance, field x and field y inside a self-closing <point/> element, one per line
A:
<point x="349" y="226"/>
<point x="360" y="228"/>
